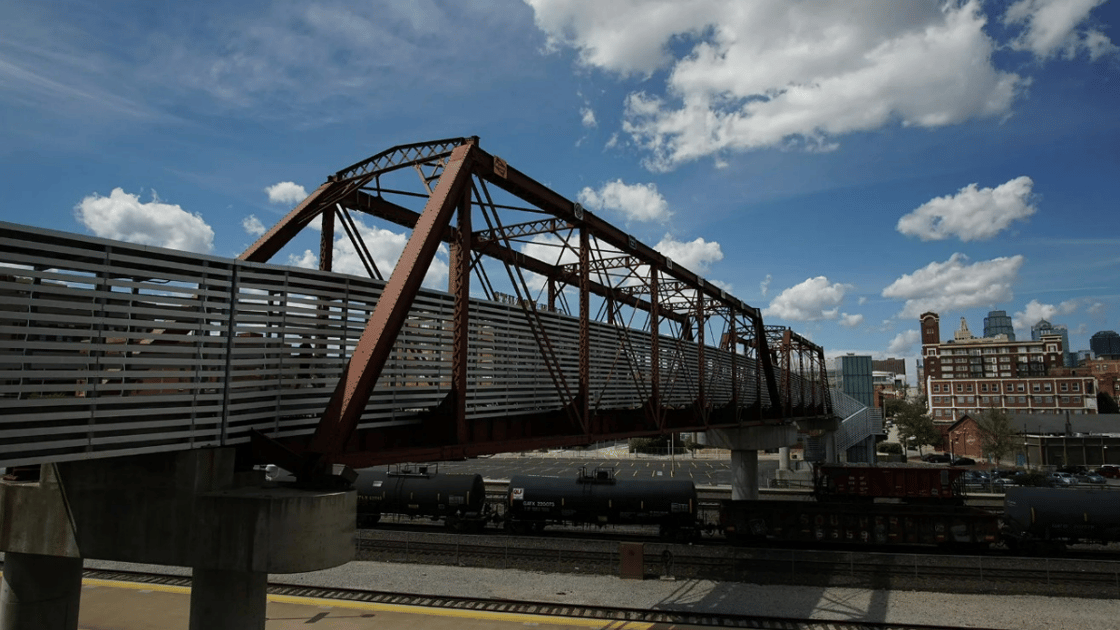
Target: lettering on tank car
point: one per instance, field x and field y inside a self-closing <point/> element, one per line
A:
<point x="540" y="504"/>
<point x="456" y="499"/>
<point x="679" y="507"/>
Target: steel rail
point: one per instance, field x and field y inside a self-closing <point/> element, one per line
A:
<point x="608" y="614"/>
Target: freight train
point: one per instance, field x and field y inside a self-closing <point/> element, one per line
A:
<point x="857" y="504"/>
<point x="599" y="498"/>
<point x="459" y="500"/>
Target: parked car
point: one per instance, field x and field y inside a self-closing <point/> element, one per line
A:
<point x="1109" y="471"/>
<point x="1062" y="479"/>
<point x="963" y="461"/>
<point x="1089" y="477"/>
<point x="937" y="458"/>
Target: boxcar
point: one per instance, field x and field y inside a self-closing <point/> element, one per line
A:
<point x="880" y="524"/>
<point x="867" y="482"/>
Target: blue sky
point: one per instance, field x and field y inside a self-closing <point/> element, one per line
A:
<point x="842" y="166"/>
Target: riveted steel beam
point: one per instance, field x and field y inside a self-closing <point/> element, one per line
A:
<point x="520" y="230"/>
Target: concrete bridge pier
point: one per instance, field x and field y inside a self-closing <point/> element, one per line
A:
<point x="188" y="508"/>
<point x="40" y="592"/>
<point x="745" y="443"/>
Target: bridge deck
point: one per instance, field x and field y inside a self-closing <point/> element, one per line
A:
<point x="108" y="348"/>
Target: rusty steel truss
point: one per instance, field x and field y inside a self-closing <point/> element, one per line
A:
<point x="495" y="221"/>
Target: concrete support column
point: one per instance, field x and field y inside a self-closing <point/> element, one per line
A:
<point x="40" y="592"/>
<point x="228" y="600"/>
<point x="744" y="444"/>
<point x="744" y="475"/>
<point x="783" y="459"/>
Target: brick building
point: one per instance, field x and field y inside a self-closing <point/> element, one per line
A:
<point x="969" y="374"/>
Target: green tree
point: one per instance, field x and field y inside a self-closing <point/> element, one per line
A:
<point x="915" y="426"/>
<point x="1106" y="403"/>
<point x="997" y="436"/>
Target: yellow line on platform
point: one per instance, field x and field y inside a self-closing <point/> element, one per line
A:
<point x="456" y="613"/>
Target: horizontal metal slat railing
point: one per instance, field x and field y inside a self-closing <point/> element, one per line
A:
<point x="109" y="348"/>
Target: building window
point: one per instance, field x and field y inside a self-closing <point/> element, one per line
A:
<point x="1022" y="400"/>
<point x="960" y="387"/>
<point x="1065" y="400"/>
<point x="1046" y="387"/>
<point x="1075" y="387"/>
<point x="1064" y="387"/>
<point x="1076" y="400"/>
<point x="1020" y="387"/>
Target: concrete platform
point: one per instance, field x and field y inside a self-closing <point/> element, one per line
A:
<point x="131" y="606"/>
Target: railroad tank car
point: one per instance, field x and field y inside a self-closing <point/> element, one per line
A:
<point x="867" y="482"/>
<point x="422" y="492"/>
<point x="1050" y="518"/>
<point x="887" y="524"/>
<point x="600" y="498"/>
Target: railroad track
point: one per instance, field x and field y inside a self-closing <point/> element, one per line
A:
<point x="864" y="569"/>
<point x="607" y="614"/>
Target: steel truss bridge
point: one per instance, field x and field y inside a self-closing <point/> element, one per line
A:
<point x="556" y="329"/>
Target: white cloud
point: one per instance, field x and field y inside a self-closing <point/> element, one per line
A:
<point x="972" y="214"/>
<point x="253" y="226"/>
<point x="638" y="202"/>
<point x="1053" y="28"/>
<point x="850" y="321"/>
<point x="783" y="74"/>
<point x="386" y="247"/>
<point x="812" y="300"/>
<point x="904" y="342"/>
<point x="123" y="217"/>
<point x="286" y="192"/>
<point x="1036" y="311"/>
<point x="588" y="117"/>
<point x="764" y="286"/>
<point x="955" y="285"/>
<point x="307" y="260"/>
<point x="696" y="255"/>
<point x="1097" y="310"/>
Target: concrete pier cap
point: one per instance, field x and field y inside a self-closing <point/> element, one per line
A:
<point x="181" y="509"/>
<point x="745" y="443"/>
<point x="188" y="508"/>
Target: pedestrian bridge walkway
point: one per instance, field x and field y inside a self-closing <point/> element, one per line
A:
<point x="109" y="348"/>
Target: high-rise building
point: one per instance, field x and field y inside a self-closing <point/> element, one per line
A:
<point x="998" y="323"/>
<point x="1105" y="344"/>
<point x="1044" y="327"/>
